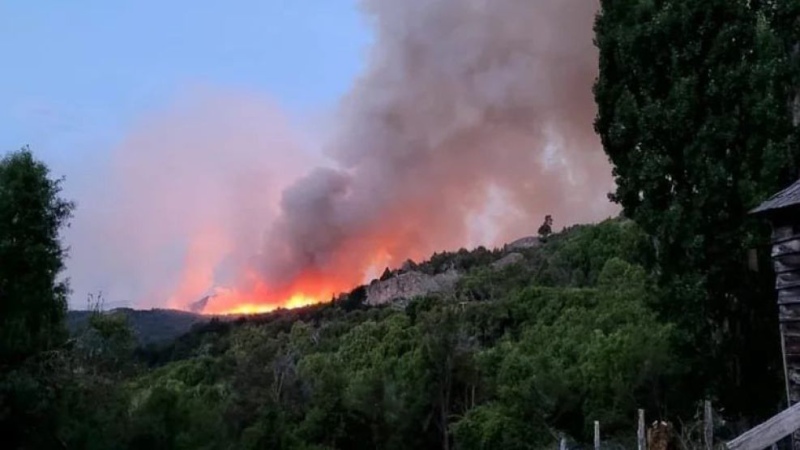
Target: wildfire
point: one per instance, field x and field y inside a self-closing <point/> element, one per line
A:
<point x="244" y="305"/>
<point x="260" y="299"/>
<point x="250" y="293"/>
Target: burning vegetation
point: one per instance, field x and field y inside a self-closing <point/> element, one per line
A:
<point x="468" y="123"/>
<point x="463" y="111"/>
<point x="467" y="118"/>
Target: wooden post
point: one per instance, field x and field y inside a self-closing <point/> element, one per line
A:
<point x="708" y="425"/>
<point x="596" y="435"/>
<point x="640" y="436"/>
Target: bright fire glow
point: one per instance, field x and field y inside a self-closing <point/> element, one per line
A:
<point x="259" y="299"/>
<point x="252" y="307"/>
<point x="251" y="295"/>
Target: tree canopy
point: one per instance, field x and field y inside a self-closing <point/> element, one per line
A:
<point x="32" y="296"/>
<point x="32" y="299"/>
<point x="657" y="309"/>
<point x="694" y="113"/>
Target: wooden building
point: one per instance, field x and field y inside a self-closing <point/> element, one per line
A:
<point x="783" y="212"/>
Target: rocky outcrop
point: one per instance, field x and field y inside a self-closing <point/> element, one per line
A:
<point x="523" y="243"/>
<point x="508" y="260"/>
<point x="410" y="284"/>
<point x="403" y="284"/>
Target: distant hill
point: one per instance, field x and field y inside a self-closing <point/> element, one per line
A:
<point x="438" y="275"/>
<point x="150" y="326"/>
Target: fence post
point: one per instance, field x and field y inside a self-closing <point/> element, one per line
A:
<point x="640" y="438"/>
<point x="708" y="425"/>
<point x="596" y="435"/>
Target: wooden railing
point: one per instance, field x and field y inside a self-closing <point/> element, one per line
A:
<point x="768" y="433"/>
<point x="761" y="437"/>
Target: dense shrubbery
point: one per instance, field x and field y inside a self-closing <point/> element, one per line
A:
<point x="694" y="112"/>
<point x="513" y="358"/>
<point x="652" y="312"/>
<point x="561" y="339"/>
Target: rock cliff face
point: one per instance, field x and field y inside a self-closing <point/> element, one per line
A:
<point x="410" y="284"/>
<point x="526" y="242"/>
<point x="409" y="281"/>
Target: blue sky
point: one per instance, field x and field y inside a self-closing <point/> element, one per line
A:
<point x="77" y="74"/>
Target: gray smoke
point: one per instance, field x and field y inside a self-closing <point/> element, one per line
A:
<point x="461" y="98"/>
<point x="468" y="111"/>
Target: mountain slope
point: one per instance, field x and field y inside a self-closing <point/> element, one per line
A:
<point x="149" y="326"/>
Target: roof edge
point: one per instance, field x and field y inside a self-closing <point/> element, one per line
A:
<point x="787" y="198"/>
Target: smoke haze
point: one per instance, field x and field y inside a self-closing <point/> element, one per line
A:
<point x="185" y="199"/>
<point x="466" y="108"/>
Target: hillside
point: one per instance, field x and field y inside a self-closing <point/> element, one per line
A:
<point x="528" y="342"/>
<point x="149" y="326"/>
<point x="438" y="276"/>
<point x="683" y="116"/>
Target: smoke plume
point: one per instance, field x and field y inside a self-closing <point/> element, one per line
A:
<point x="459" y="97"/>
<point x="465" y="106"/>
<point x="184" y="199"/>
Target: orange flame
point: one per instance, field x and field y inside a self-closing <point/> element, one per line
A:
<point x="253" y="296"/>
<point x="259" y="299"/>
<point x="242" y="305"/>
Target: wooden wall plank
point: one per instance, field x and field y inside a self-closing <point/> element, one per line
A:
<point x="786" y="247"/>
<point x="769" y="432"/>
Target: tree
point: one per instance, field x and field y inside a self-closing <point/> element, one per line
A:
<point x="32" y="298"/>
<point x="578" y="354"/>
<point x="693" y="112"/>
<point x="547" y="228"/>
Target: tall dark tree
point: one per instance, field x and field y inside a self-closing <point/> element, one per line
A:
<point x="694" y="113"/>
<point x="32" y="302"/>
<point x="32" y="297"/>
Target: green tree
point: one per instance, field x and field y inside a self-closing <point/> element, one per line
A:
<point x="580" y="354"/>
<point x="179" y="407"/>
<point x="693" y="112"/>
<point x="107" y="344"/>
<point x="32" y="301"/>
<point x="32" y="298"/>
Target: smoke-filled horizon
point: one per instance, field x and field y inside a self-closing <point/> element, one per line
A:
<point x="462" y="105"/>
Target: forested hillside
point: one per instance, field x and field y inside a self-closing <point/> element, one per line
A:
<point x="154" y="326"/>
<point x="667" y="305"/>
<point x="511" y="359"/>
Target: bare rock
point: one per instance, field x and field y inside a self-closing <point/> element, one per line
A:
<point x="508" y="260"/>
<point x="408" y="285"/>
<point x="523" y="243"/>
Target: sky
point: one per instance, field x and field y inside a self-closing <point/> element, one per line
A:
<point x="78" y="76"/>
<point x="279" y="150"/>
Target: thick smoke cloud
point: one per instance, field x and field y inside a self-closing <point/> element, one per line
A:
<point x="460" y="97"/>
<point x="468" y="110"/>
<point x="181" y="204"/>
